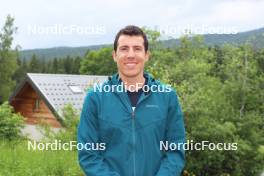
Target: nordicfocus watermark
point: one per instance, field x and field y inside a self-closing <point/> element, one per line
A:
<point x="172" y="30"/>
<point x="203" y="145"/>
<point x="59" y="145"/>
<point x="163" y="146"/>
<point x="123" y="87"/>
<point x="60" y="29"/>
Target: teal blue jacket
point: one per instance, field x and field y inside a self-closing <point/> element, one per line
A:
<point x="132" y="138"/>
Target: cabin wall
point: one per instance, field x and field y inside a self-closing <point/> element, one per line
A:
<point x="33" y="108"/>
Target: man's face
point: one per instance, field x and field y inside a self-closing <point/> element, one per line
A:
<point x="130" y="55"/>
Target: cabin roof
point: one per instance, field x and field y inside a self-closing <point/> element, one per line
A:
<point x="58" y="90"/>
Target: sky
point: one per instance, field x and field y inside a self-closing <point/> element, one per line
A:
<point x="54" y="23"/>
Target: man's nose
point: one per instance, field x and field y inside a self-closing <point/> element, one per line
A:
<point x="131" y="53"/>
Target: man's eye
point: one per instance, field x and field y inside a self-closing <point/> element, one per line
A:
<point x="123" y="49"/>
<point x="138" y="49"/>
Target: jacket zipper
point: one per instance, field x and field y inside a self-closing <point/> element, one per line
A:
<point x="124" y="99"/>
<point x="133" y="133"/>
<point x="134" y="141"/>
<point x="133" y="125"/>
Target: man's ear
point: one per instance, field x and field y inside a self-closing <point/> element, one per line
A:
<point x="147" y="57"/>
<point x="114" y="55"/>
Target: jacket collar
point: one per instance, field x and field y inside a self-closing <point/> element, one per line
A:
<point x="116" y="80"/>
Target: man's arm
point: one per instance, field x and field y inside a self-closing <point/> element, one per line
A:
<point x="173" y="162"/>
<point x="91" y="161"/>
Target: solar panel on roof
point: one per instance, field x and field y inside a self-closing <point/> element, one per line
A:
<point x="75" y="89"/>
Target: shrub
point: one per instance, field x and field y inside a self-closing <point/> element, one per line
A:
<point x="10" y="122"/>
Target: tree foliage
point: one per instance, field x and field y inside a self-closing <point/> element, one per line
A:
<point x="8" y="58"/>
<point x="221" y="92"/>
<point x="10" y="123"/>
<point x="98" y="62"/>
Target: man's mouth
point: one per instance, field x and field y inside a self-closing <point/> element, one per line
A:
<point x="131" y="64"/>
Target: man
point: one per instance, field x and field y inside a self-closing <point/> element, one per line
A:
<point x="131" y="123"/>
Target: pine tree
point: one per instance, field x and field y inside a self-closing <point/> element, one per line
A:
<point x="8" y="59"/>
<point x="34" y="64"/>
<point x="67" y="62"/>
<point x="55" y="66"/>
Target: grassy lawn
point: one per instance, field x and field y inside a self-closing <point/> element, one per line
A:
<point x="16" y="160"/>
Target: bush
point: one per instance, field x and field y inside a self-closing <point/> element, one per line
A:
<point x="10" y="122"/>
<point x="69" y="123"/>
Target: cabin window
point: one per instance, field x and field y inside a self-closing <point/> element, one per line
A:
<point x="36" y="105"/>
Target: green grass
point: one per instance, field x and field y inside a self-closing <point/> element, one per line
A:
<point x="17" y="160"/>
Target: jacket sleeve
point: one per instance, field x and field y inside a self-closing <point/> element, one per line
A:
<point x="91" y="161"/>
<point x="174" y="160"/>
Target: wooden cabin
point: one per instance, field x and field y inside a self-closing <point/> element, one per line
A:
<point x="40" y="98"/>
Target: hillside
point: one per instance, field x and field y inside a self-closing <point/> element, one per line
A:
<point x="255" y="37"/>
<point x="59" y="52"/>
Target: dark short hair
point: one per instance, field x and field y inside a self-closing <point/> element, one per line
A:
<point x="131" y="31"/>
